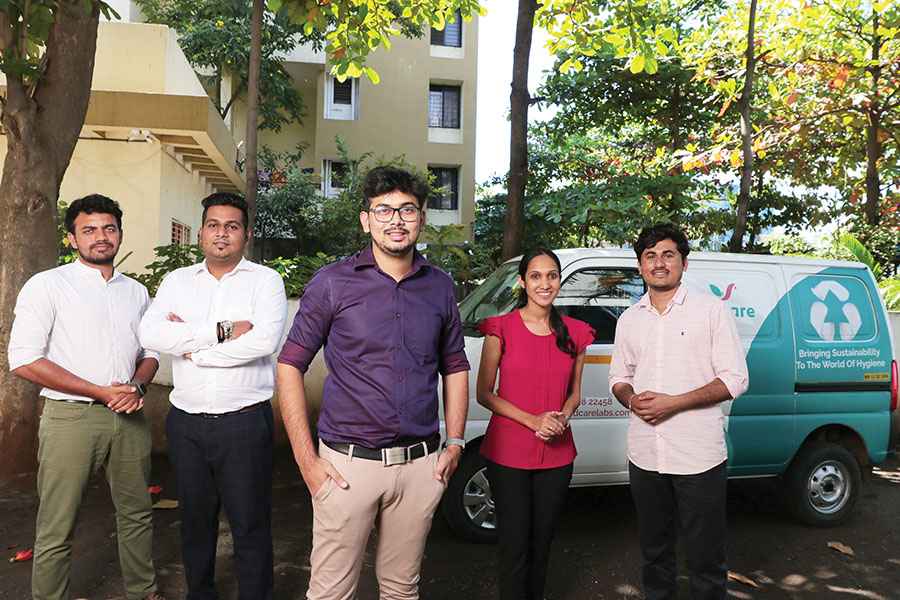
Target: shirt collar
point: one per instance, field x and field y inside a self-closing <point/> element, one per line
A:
<point x="366" y="258"/>
<point x="92" y="272"/>
<point x="678" y="298"/>
<point x="243" y="265"/>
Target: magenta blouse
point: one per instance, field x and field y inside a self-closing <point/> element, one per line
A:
<point x="535" y="376"/>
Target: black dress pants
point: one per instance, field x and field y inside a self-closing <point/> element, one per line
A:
<point x="695" y="506"/>
<point x="528" y="505"/>
<point x="224" y="461"/>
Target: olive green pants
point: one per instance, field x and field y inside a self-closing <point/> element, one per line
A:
<point x="76" y="440"/>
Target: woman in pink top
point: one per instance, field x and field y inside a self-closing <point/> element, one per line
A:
<point x="528" y="444"/>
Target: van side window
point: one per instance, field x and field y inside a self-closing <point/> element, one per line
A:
<point x="598" y="295"/>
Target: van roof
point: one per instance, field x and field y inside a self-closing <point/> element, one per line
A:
<point x="569" y="255"/>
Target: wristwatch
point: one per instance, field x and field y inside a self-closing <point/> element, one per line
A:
<point x="139" y="387"/>
<point x="224" y="330"/>
<point x="455" y="442"/>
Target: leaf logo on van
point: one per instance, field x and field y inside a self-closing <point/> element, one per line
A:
<point x="833" y="315"/>
<point x="724" y="296"/>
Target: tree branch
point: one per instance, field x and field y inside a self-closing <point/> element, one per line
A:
<point x="234" y="96"/>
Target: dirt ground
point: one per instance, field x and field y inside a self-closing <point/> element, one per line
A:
<point x="595" y="554"/>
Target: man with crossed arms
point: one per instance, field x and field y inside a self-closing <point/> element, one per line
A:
<point x="222" y="320"/>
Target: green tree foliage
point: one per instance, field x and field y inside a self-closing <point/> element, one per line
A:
<point x="215" y="38"/>
<point x="640" y="32"/>
<point x="297" y="271"/>
<point x="291" y="205"/>
<point x="353" y="29"/>
<point x="827" y="105"/>
<point x="168" y="258"/>
<point x="287" y="204"/>
<point x="67" y="253"/>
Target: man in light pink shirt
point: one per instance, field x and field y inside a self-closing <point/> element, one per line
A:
<point x="677" y="356"/>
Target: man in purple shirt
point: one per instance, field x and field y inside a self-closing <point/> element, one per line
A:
<point x="389" y="323"/>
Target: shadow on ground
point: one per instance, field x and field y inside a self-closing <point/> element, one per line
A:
<point x="595" y="555"/>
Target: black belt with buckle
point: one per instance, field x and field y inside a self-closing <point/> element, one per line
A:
<point x="395" y="455"/>
<point x="246" y="409"/>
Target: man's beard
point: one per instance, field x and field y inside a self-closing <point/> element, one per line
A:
<point x="395" y="252"/>
<point x="97" y="260"/>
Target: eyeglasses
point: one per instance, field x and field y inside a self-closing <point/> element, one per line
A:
<point x="385" y="214"/>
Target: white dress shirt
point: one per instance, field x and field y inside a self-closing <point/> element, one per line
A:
<point x="218" y="378"/>
<point x="692" y="342"/>
<point x="85" y="324"/>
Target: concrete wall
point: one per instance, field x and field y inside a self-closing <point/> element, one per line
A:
<point x="140" y="57"/>
<point x="306" y="79"/>
<point x="179" y="198"/>
<point x="129" y="173"/>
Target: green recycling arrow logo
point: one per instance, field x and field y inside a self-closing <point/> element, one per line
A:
<point x="833" y="316"/>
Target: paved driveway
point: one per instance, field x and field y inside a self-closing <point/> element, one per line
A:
<point x="595" y="555"/>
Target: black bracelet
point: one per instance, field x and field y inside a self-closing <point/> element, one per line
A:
<point x="220" y="332"/>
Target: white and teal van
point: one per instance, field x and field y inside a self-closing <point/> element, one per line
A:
<point x="823" y="378"/>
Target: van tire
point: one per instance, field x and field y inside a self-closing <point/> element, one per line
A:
<point x="470" y="482"/>
<point x="823" y="484"/>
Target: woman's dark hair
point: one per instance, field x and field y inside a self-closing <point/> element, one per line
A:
<point x="563" y="341"/>
<point x="94" y="203"/>
<point x="651" y="236"/>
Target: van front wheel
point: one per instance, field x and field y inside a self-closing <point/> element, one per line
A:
<point x="823" y="484"/>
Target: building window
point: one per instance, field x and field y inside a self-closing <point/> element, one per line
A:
<point x="451" y="34"/>
<point x="445" y="189"/>
<point x="335" y="178"/>
<point x="181" y="233"/>
<point x="341" y="98"/>
<point x="443" y="106"/>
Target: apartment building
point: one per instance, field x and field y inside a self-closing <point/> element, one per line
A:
<point x="422" y="109"/>
<point x="153" y="140"/>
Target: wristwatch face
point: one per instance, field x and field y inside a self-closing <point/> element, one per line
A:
<point x="141" y="389"/>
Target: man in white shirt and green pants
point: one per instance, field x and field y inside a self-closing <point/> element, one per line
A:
<point x="75" y="334"/>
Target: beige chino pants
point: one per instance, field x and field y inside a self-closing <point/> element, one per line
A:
<point x="398" y="500"/>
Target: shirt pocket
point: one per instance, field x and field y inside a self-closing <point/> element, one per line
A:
<point x="422" y="333"/>
<point x="236" y="304"/>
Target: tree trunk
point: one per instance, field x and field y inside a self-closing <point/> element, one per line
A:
<point x="250" y="168"/>
<point x="514" y="221"/>
<point x="42" y="129"/>
<point x="754" y="224"/>
<point x="740" y="223"/>
<point x="873" y="144"/>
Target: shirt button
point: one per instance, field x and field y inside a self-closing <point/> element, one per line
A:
<point x="397" y="316"/>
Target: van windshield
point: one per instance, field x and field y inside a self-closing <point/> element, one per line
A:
<point x="497" y="295"/>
